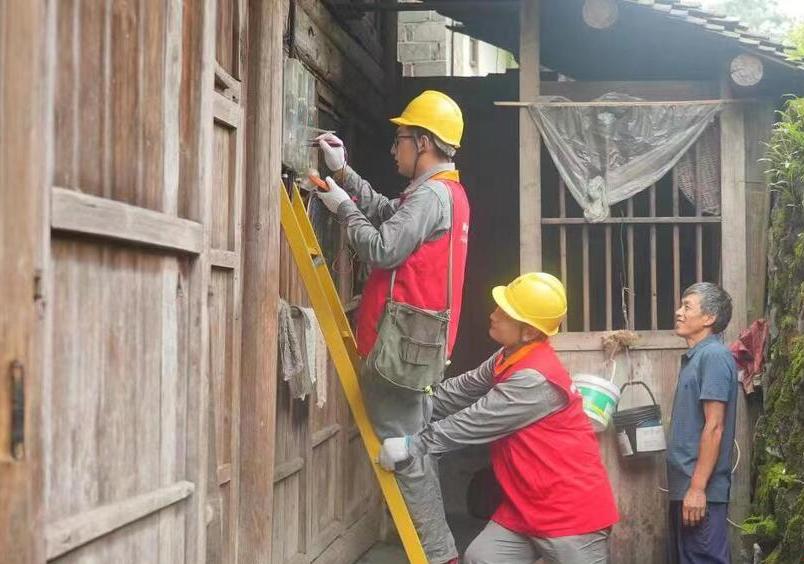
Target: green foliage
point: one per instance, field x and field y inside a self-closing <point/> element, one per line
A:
<point x="795" y="37"/>
<point x="778" y="520"/>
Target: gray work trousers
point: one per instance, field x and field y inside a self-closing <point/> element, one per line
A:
<point x="498" y="545"/>
<point x="396" y="412"/>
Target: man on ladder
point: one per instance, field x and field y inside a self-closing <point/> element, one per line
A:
<point x="416" y="246"/>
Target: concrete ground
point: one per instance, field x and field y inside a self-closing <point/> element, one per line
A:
<point x="464" y="527"/>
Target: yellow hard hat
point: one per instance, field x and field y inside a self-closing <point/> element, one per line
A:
<point x="436" y="112"/>
<point x="535" y="298"/>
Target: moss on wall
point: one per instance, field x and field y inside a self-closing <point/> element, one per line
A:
<point x="778" y="520"/>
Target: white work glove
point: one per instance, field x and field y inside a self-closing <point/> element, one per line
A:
<point x="334" y="151"/>
<point x="394" y="450"/>
<point x="335" y="197"/>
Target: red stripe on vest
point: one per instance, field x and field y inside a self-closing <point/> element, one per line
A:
<point x="421" y="280"/>
<point x="551" y="472"/>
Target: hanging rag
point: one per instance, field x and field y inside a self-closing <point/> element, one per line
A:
<point x="315" y="354"/>
<point x="749" y="353"/>
<point x="291" y="354"/>
<point x="608" y="154"/>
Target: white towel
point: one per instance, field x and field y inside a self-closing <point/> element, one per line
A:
<point x="316" y="349"/>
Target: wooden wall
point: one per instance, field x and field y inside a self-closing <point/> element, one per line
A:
<point x="326" y="502"/>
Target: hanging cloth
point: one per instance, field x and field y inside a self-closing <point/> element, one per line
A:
<point x="607" y="154"/>
<point x="291" y="354"/>
<point x="315" y="354"/>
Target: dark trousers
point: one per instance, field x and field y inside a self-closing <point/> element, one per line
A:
<point x="705" y="543"/>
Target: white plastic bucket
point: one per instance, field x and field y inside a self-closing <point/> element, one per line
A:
<point x="600" y="399"/>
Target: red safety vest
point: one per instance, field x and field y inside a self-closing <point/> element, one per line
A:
<point x="551" y="473"/>
<point x="421" y="280"/>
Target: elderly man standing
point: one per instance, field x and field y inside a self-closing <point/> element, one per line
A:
<point x="702" y="430"/>
<point x="416" y="246"/>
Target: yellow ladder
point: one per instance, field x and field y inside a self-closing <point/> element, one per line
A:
<point x="343" y="350"/>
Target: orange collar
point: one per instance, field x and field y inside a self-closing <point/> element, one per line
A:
<point x="502" y="363"/>
<point x="448" y="175"/>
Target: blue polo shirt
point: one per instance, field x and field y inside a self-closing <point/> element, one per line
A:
<point x="708" y="372"/>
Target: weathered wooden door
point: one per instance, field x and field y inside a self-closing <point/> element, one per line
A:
<point x="140" y="385"/>
<point x="21" y="26"/>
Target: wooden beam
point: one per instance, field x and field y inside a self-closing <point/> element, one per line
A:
<point x="633" y="220"/>
<point x="99" y="217"/>
<point x="580" y="91"/>
<point x="592" y="341"/>
<point x="530" y="170"/>
<point x="288" y="469"/>
<point x="226" y="111"/>
<point x="223" y="259"/>
<point x="231" y="86"/>
<point x="733" y="211"/>
<point x="260" y="280"/>
<point x="324" y="434"/>
<point x="68" y="534"/>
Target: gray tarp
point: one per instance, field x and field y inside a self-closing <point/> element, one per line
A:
<point x="607" y="154"/>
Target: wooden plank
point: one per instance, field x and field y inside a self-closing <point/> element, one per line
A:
<point x="230" y="85"/>
<point x="609" y="259"/>
<point x="72" y="532"/>
<point x="631" y="273"/>
<point x="316" y="50"/>
<point x="654" y="290"/>
<point x="592" y="341"/>
<point x="585" y="243"/>
<point x="226" y="111"/>
<point x="323" y="20"/>
<point x="562" y="238"/>
<point x="197" y="102"/>
<point x="634" y="220"/>
<point x="582" y="91"/>
<point x="733" y="202"/>
<point x="224" y="259"/>
<point x="224" y="474"/>
<point x="260" y="281"/>
<point x="355" y="541"/>
<point x="90" y="215"/>
<point x="288" y="469"/>
<point x="325" y="434"/>
<point x="758" y="126"/>
<point x="676" y="248"/>
<point x="26" y="158"/>
<point x="530" y="208"/>
<point x="171" y="533"/>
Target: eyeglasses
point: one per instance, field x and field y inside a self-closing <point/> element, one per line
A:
<point x="398" y="137"/>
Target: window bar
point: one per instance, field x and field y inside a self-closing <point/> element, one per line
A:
<point x="631" y="274"/>
<point x="562" y="203"/>
<point x="609" y="323"/>
<point x="654" y="290"/>
<point x="698" y="236"/>
<point x="586" y="316"/>
<point x="676" y="248"/>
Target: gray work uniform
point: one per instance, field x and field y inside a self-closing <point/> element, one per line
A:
<point x="384" y="233"/>
<point x="471" y="409"/>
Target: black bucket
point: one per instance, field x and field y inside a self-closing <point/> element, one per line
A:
<point x="639" y="429"/>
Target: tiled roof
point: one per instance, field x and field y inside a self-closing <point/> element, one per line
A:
<point x="730" y="27"/>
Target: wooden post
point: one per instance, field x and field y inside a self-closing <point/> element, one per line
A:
<point x="530" y="205"/>
<point x="734" y="252"/>
<point x="260" y="280"/>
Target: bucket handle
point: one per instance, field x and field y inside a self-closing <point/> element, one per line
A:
<point x="641" y="383"/>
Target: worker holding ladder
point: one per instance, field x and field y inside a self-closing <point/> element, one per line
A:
<point x="408" y="317"/>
